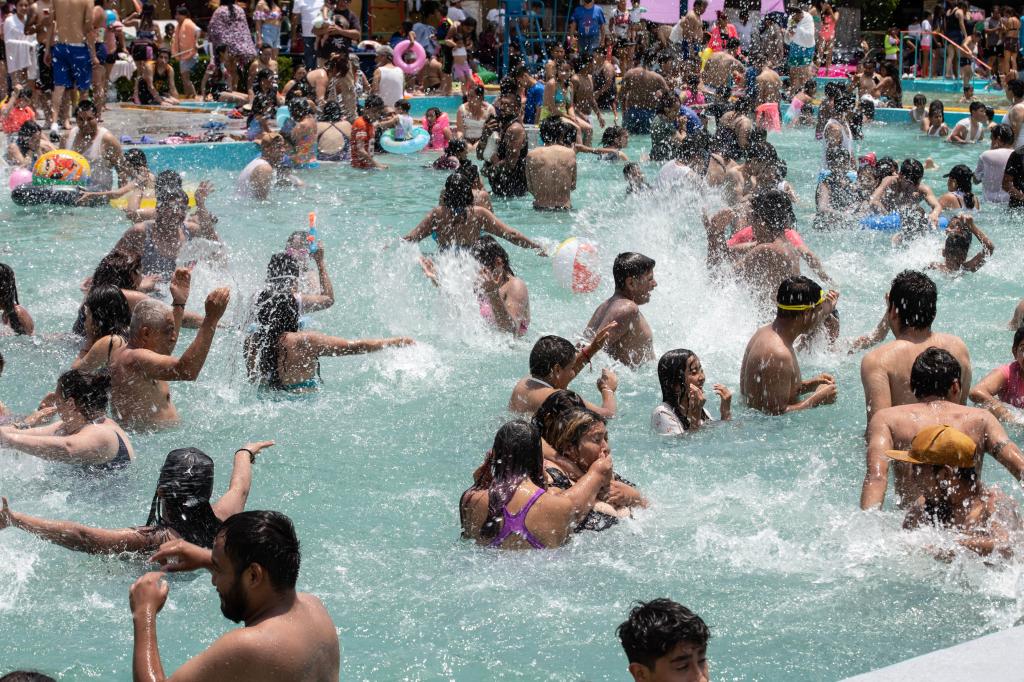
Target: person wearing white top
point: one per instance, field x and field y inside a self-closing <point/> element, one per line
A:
<point x="800" y="38"/>
<point x="304" y="13"/>
<point x="388" y="79"/>
<point x="22" y="64"/>
<point x="971" y="129"/>
<point x="455" y="11"/>
<point x="992" y="163"/>
<point x="682" y="392"/>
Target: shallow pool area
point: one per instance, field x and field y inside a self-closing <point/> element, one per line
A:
<point x="754" y="524"/>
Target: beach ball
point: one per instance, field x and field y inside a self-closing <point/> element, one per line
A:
<point x="60" y="167"/>
<point x="19" y="177"/>
<point x="576" y="266"/>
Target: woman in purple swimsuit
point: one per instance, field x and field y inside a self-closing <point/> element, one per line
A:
<point x="508" y="505"/>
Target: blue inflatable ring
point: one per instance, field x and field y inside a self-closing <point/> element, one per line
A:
<point x="891" y="222"/>
<point x="420" y="139"/>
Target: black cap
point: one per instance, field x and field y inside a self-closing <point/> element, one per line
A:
<point x="959" y="171"/>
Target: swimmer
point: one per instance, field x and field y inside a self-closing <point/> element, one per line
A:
<point x="770" y="378"/>
<point x="284" y="274"/>
<point x="960" y="195"/>
<point x="457" y="224"/>
<point x="885" y="371"/>
<point x="935" y="382"/>
<point x="903" y="193"/>
<point x="636" y="183"/>
<point x="267" y="170"/>
<point x="254" y="565"/>
<point x="630" y="341"/>
<point x="554" y="363"/>
<point x="665" y="641"/>
<point x="1004" y="386"/>
<point x="12" y="313"/>
<point x="106" y="318"/>
<point x="138" y="183"/>
<point x="508" y="505"/>
<point x="919" y="112"/>
<point x="181" y="508"/>
<point x="613" y="140"/>
<point x="682" y="395"/>
<point x="279" y="356"/>
<point x="640" y="91"/>
<point x="504" y="299"/>
<point x="982" y="517"/>
<point x="141" y="370"/>
<point x="959" y="232"/>
<point x="26" y="146"/>
<point x="971" y="129"/>
<point x="551" y="168"/>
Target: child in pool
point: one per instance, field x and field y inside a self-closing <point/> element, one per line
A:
<point x="919" y="112"/>
<point x="403" y="129"/>
<point x="436" y="123"/>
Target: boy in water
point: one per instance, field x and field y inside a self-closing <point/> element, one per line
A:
<point x="665" y="641"/>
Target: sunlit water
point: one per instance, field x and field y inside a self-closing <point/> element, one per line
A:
<point x="754" y="524"/>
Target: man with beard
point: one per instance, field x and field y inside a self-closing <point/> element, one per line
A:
<point x="288" y="635"/>
<point x="504" y="154"/>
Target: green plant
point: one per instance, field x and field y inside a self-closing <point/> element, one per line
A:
<point x="876" y="15"/>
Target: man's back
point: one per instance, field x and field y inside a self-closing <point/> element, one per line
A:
<point x="72" y="18"/>
<point x="885" y="371"/>
<point x="633" y="341"/>
<point x="551" y="176"/>
<point x="768" y="356"/>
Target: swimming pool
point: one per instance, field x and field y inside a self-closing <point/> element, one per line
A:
<point x="754" y="524"/>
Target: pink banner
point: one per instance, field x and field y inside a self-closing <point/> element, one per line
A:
<point x="768" y="6"/>
<point x="662" y="11"/>
<point x="711" y="13"/>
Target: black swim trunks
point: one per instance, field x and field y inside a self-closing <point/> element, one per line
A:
<point x="45" y="79"/>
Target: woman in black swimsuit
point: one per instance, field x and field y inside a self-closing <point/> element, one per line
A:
<point x="84" y="434"/>
<point x="181" y="508"/>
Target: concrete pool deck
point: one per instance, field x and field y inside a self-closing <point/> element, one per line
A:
<point x="998" y="657"/>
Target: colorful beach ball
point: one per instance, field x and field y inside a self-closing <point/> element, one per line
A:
<point x="60" y="167"/>
<point x="576" y="266"/>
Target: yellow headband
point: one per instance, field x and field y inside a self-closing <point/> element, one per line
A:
<point x="803" y="306"/>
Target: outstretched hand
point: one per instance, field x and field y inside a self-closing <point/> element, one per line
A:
<point x="179" y="555"/>
<point x="181" y="285"/>
<point x="148" y="594"/>
<point x="257" y="446"/>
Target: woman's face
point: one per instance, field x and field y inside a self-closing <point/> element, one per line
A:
<point x="593" y="445"/>
<point x="950" y="185"/>
<point x="22" y="7"/>
<point x="90" y="325"/>
<point x="623" y="139"/>
<point x="431" y="117"/>
<point x="299" y="73"/>
<point x="694" y="374"/>
<point x="935" y="117"/>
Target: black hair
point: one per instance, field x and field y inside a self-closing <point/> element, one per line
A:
<point x="666" y="103"/>
<point x="372" y="101"/>
<point x="455" y="147"/>
<point x="912" y="171"/>
<point x="654" y="628"/>
<point x="487" y="251"/>
<point x="1016" y="87"/>
<point x="1002" y="132"/>
<point x="914" y="297"/>
<point x="135" y="158"/>
<point x="403" y="105"/>
<point x="958" y="243"/>
<point x="88" y="391"/>
<point x="963" y="179"/>
<point x="516" y="455"/>
<point x="886" y="166"/>
<point x="976" y="106"/>
<point x="630" y="264"/>
<point x="555" y="130"/>
<point x="797" y="290"/>
<point x="550" y="416"/>
<point x="181" y="501"/>
<point x="933" y="373"/>
<point x="550" y="351"/>
<point x="331" y="111"/>
<point x="111" y="314"/>
<point x="919" y="98"/>
<point x="182" y="10"/>
<point x="168" y="184"/>
<point x="117" y="268"/>
<point x="990" y="113"/>
<point x="9" y="298"/>
<point x="277" y="313"/>
<point x="611" y="135"/>
<point x="230" y="4"/>
<point x="457" y="194"/>
<point x="26" y="676"/>
<point x="833" y="90"/>
<point x="773" y="209"/>
<point x="266" y="538"/>
<point x="672" y="377"/>
<point x="85" y="105"/>
<point x="25" y="134"/>
<point x="936" y="107"/>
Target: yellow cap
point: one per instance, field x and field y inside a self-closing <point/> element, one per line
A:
<point x="940" y="444"/>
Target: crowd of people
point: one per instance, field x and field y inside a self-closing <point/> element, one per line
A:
<point x="710" y="98"/>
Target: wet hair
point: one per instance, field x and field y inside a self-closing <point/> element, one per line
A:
<point x="833" y="90"/>
<point x="118" y="268"/>
<point x="298" y="108"/>
<point x="266" y="538"/>
<point x="181" y="501"/>
<point x="920" y="99"/>
<point x="555" y="130"/>
<point x="666" y="103"/>
<point x="1003" y="132"/>
<point x="372" y="101"/>
<point x="9" y="298"/>
<point x="654" y="628"/>
<point x="845" y="102"/>
<point x="26" y="676"/>
<point x="976" y="106"/>
<point x="629" y="264"/>
<point x="1018" y="336"/>
<point x="797" y="290"/>
<point x="277" y="313"/>
<point x="963" y="179"/>
<point x="672" y="377"/>
<point x="914" y="297"/>
<point x="168" y="185"/>
<point x="936" y="108"/>
<point x="487" y="251"/>
<point x="515" y="456"/>
<point x="933" y="373"/>
<point x="571" y="428"/>
<point x="339" y="64"/>
<point x="1016" y="87"/>
<point x="867" y="110"/>
<point x="455" y="147"/>
<point x="136" y="159"/>
<point x="148" y="313"/>
<point x="403" y="105"/>
<point x="611" y="135"/>
<point x="886" y="166"/>
<point x="773" y="209"/>
<point x="457" y="194"/>
<point x="550" y="351"/>
<point x="283" y="270"/>
<point x="88" y="391"/>
<point x="111" y="315"/>
<point x="85" y="105"/>
<point x="551" y="413"/>
<point x="810" y="87"/>
<point x="957" y="244"/>
<point x="25" y="134"/>
<point x="912" y="171"/>
<point x="331" y="111"/>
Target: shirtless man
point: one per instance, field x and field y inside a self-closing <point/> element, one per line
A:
<point x="769" y="93"/>
<point x="910" y="310"/>
<point x="722" y="70"/>
<point x="903" y="193"/>
<point x="551" y="169"/>
<point x="583" y="101"/>
<point x="688" y="34"/>
<point x="1015" y="116"/>
<point x="770" y="378"/>
<point x="254" y="564"/>
<point x="867" y="82"/>
<point x="630" y="341"/>
<point x="140" y="370"/>
<point x="71" y="51"/>
<point x="554" y="363"/>
<point x="639" y="93"/>
<point x="936" y="384"/>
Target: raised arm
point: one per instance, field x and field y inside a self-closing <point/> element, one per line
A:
<point x="325" y="299"/>
<point x="324" y="345"/>
<point x="187" y="367"/>
<point x="494" y="225"/>
<point x="233" y="501"/>
<point x="583" y="493"/>
<point x="75" y="536"/>
<point x="82" y="448"/>
<point x="876" y="475"/>
<point x="985" y="393"/>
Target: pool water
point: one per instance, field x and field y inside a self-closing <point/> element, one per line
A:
<point x="754" y="523"/>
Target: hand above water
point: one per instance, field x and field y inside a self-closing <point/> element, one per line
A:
<point x="217" y="303"/>
<point x="149" y="594"/>
<point x="181" y="285"/>
<point x="180" y="555"/>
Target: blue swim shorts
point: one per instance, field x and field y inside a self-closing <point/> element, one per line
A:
<point x="72" y="66"/>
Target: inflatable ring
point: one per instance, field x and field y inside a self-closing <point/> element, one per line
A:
<point x="421" y="57"/>
<point x="60" y="167"/>
<point x="420" y="139"/>
<point x="148" y="202"/>
<point x="891" y="222"/>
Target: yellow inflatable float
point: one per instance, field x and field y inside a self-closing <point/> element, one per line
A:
<point x="61" y="167"/>
<point x="150" y="202"/>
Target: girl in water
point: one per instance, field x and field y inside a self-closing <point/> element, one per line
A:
<point x="935" y="124"/>
<point x="503" y="297"/>
<point x="1005" y="385"/>
<point x="27" y="146"/>
<point x="84" y="435"/>
<point x="12" y="313"/>
<point x="436" y="123"/>
<point x="960" y="195"/>
<point x="682" y="393"/>
<point x="107" y="317"/>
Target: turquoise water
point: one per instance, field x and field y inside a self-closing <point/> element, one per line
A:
<point x="754" y="524"/>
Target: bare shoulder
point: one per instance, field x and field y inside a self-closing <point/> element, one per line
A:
<point x="954" y="344"/>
